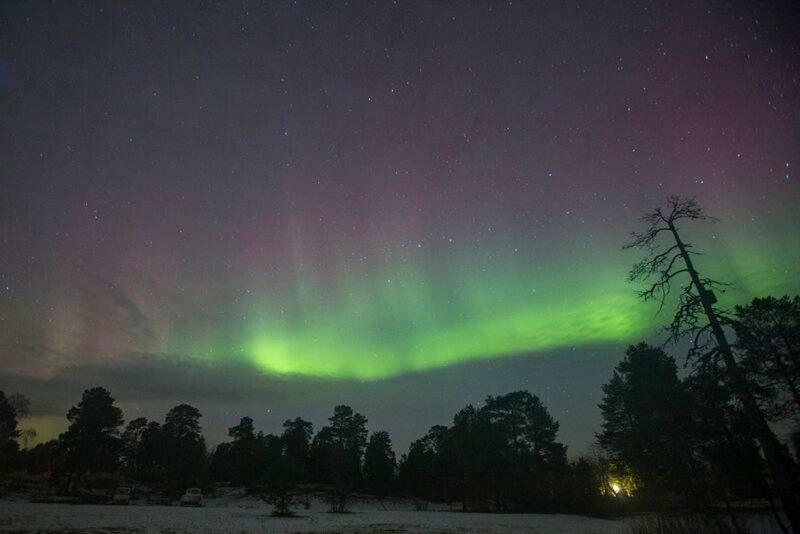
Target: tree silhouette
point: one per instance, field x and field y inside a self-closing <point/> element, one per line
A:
<point x="8" y="433"/>
<point x="348" y="429"/>
<point x="475" y="443"/>
<point x="768" y="335"/>
<point x="221" y="467"/>
<point x="22" y="407"/>
<point x="282" y="477"/>
<point x="526" y="425"/>
<point x="379" y="464"/>
<point x="647" y="423"/>
<point x="43" y="458"/>
<point x="150" y="457"/>
<point x="92" y="439"/>
<point x="244" y="454"/>
<point x="132" y="444"/>
<point x="342" y="446"/>
<point x="503" y="456"/>
<point x="184" y="448"/>
<point x="583" y="487"/>
<point x="269" y="452"/>
<point x="697" y="316"/>
<point x="529" y="454"/>
<point x="321" y="452"/>
<point x="296" y="440"/>
<point x="733" y="464"/>
<point x="426" y="471"/>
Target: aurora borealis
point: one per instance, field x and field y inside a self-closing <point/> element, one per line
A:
<point x="361" y="195"/>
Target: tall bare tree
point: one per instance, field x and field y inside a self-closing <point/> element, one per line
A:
<point x="696" y="315"/>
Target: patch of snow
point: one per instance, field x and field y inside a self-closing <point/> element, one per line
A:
<point x="254" y="516"/>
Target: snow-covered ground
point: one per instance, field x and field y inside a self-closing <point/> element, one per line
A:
<point x="238" y="513"/>
<point x="18" y="516"/>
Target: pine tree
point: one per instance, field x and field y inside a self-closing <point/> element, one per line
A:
<point x="8" y="433"/>
<point x="697" y="316"/>
<point x="379" y="463"/>
<point x="92" y="439"/>
<point x="647" y="424"/>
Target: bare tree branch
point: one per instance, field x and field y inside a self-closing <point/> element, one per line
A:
<point x="666" y="263"/>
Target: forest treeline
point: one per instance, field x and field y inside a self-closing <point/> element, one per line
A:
<point x="487" y="459"/>
<point x="664" y="441"/>
<point x="722" y="430"/>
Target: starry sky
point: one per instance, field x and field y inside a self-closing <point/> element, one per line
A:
<point x="266" y="209"/>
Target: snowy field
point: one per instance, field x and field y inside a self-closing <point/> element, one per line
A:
<point x="26" y="517"/>
<point x="244" y="514"/>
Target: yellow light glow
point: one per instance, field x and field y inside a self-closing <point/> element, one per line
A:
<point x="619" y="486"/>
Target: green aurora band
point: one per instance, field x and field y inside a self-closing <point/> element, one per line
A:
<point x="408" y="315"/>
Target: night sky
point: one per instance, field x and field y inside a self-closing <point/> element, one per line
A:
<point x="270" y="209"/>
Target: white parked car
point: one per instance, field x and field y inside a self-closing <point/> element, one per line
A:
<point x="192" y="497"/>
<point x="122" y="495"/>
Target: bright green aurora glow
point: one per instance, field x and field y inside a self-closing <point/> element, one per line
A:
<point x="415" y="312"/>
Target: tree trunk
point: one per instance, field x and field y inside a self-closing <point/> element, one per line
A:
<point x="781" y="466"/>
